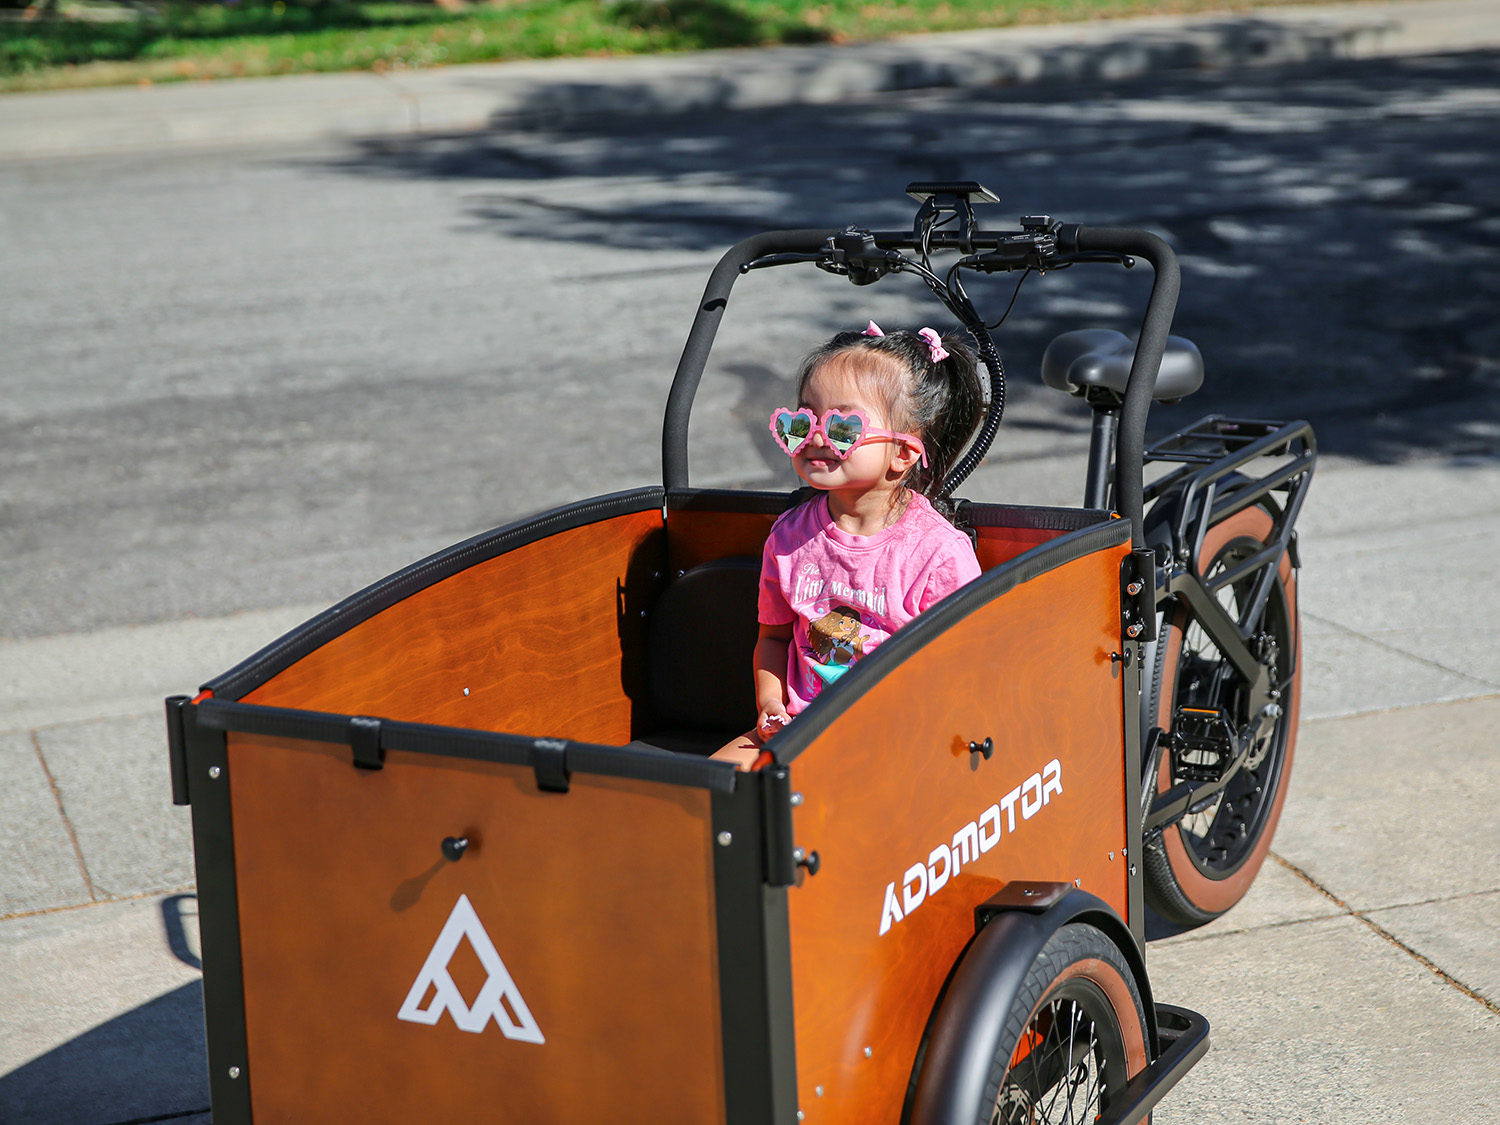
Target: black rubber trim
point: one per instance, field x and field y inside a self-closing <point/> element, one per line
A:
<point x="832" y="703"/>
<point x="640" y="764"/>
<point x="729" y="500"/>
<point x="1029" y="517"/>
<point x="313" y="634"/>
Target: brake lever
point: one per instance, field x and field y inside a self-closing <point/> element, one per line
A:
<point x="769" y="260"/>
<point x="1082" y="257"/>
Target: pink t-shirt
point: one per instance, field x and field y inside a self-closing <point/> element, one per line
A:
<point x="844" y="594"/>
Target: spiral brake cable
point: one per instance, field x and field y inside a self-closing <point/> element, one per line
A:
<point x="955" y="299"/>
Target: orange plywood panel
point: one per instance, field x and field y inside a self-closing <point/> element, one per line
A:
<point x="539" y="641"/>
<point x="598" y="903"/>
<point x="701" y="536"/>
<point x="913" y="830"/>
<point x="997" y="545"/>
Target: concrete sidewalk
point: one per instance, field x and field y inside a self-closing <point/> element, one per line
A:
<point x="1358" y="981"/>
<point x="464" y="98"/>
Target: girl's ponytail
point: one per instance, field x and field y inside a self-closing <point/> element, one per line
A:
<point x="946" y="407"/>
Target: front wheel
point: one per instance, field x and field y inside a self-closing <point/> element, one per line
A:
<point x="1202" y="865"/>
<point x="1075" y="1035"/>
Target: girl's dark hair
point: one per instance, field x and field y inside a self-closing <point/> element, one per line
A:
<point x="942" y="403"/>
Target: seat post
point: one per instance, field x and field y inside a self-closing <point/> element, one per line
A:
<point x="1101" y="455"/>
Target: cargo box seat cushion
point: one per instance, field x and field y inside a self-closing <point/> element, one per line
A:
<point x="700" y="654"/>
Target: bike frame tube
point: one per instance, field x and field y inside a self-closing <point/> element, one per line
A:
<point x="1101" y="456"/>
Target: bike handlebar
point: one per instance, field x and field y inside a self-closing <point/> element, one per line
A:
<point x="1070" y="239"/>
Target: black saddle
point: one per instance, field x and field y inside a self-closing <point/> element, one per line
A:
<point x="1101" y="357"/>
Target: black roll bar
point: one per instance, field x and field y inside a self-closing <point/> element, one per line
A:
<point x="674" y="444"/>
<point x="1130" y="448"/>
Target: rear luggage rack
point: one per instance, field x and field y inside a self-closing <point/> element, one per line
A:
<point x="1215" y="479"/>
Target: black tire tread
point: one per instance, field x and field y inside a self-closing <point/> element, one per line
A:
<point x="1074" y="942"/>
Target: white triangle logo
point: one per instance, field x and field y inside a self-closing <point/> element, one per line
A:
<point x="498" y="991"/>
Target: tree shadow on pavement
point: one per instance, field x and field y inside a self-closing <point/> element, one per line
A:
<point x="149" y="1063"/>
<point x="1338" y="222"/>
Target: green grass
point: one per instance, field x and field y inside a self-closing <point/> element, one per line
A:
<point x="257" y="37"/>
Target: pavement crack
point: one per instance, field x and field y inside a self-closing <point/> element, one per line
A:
<point x="409" y="100"/>
<point x="1439" y="665"/>
<point x="83" y="868"/>
<point x="1380" y="931"/>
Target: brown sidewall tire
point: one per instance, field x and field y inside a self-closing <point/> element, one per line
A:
<point x="1077" y="952"/>
<point x="1109" y="978"/>
<point x="1214" y="896"/>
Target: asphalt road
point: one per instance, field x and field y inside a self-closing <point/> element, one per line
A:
<point x="248" y="382"/>
<point x="247" y="379"/>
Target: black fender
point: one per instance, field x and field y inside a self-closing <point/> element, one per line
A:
<point x="971" y="1014"/>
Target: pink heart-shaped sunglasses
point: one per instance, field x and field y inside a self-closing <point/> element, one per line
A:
<point x="843" y="431"/>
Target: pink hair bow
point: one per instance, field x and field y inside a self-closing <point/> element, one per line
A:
<point x="934" y="344"/>
<point x="873" y="330"/>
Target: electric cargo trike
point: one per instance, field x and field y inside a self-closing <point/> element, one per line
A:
<point x="461" y="855"/>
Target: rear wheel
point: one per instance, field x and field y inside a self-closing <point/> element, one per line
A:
<point x="1202" y="865"/>
<point x="1076" y="1033"/>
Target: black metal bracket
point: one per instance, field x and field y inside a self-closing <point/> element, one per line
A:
<point x="949" y="197"/>
<point x="1138" y="595"/>
<point x="776" y="826"/>
<point x="549" y="761"/>
<point x="1183" y="1040"/>
<point x="364" y="740"/>
<point x="177" y="749"/>
<point x="852" y="252"/>
<point x="1019" y="894"/>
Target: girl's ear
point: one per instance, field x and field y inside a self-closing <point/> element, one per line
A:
<point x="906" y="457"/>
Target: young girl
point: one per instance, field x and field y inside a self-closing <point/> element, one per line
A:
<point x="880" y="421"/>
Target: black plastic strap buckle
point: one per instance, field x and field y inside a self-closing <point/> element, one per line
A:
<point x="177" y="749"/>
<point x="364" y="739"/>
<point x="549" y="760"/>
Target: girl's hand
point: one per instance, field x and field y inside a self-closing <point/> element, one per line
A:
<point x="772" y="718"/>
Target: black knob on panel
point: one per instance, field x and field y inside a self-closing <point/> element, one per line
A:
<point x="987" y="748"/>
<point x="454" y="847"/>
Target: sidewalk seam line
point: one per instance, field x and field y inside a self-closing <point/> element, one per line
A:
<point x="1401" y="651"/>
<point x="182" y="888"/>
<point x="1375" y="927"/>
<point x="83" y="868"/>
